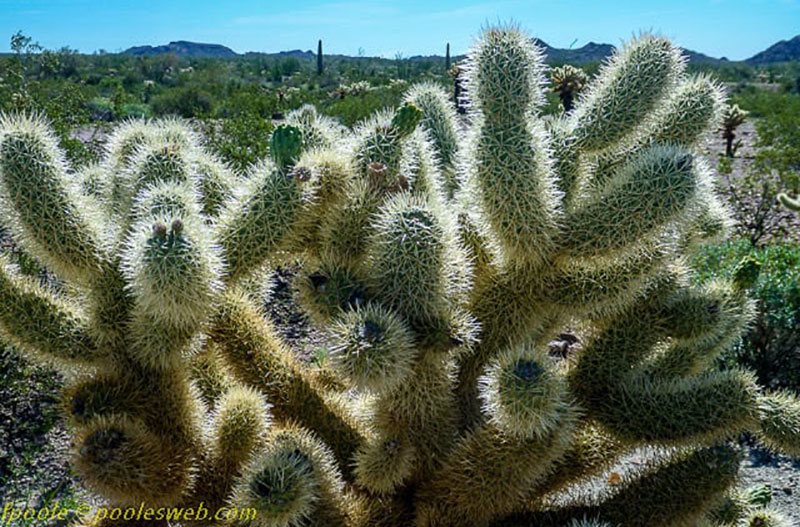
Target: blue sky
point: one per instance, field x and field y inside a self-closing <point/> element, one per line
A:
<point x="733" y="28"/>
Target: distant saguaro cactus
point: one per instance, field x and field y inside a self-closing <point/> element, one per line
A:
<point x="320" y="64"/>
<point x="439" y="404"/>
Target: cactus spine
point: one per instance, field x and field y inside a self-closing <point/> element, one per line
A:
<point x="439" y="261"/>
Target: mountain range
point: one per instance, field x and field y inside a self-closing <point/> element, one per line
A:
<point x="783" y="51"/>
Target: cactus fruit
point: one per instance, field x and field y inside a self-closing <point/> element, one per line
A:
<point x="438" y="260"/>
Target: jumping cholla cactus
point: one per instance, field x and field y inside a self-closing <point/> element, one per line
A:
<point x="789" y="203"/>
<point x="568" y="81"/>
<point x="732" y="118"/>
<point x="439" y="404"/>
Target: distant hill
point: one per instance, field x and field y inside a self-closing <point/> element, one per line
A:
<point x="783" y="51"/>
<point x="183" y="48"/>
<point x="591" y="52"/>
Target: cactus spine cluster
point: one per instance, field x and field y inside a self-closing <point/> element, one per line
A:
<point x="440" y="260"/>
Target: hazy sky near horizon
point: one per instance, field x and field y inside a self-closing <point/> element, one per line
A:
<point x="736" y="29"/>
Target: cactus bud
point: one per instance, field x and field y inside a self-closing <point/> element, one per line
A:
<point x="159" y="230"/>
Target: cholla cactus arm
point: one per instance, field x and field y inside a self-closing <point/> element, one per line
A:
<point x="780" y="422"/>
<point x="439" y="119"/>
<point x="174" y="270"/>
<point x="40" y="204"/>
<point x="129" y="464"/>
<point x="691" y="111"/>
<point x="408" y="260"/>
<point x="239" y="429"/>
<point x="259" y="359"/>
<point x="210" y="375"/>
<point x="258" y="219"/>
<point x="36" y="320"/>
<point x="601" y="290"/>
<point x="789" y="203"/>
<point x="592" y="450"/>
<point x="514" y="180"/>
<point x="704" y="476"/>
<point x="656" y="187"/>
<point x="292" y="482"/>
<point x="526" y="400"/>
<point x="654" y="496"/>
<point x="606" y="380"/>
<point x="718" y="313"/>
<point x="567" y="160"/>
<point x="626" y="91"/>
<point x="317" y="131"/>
<point x="216" y="182"/>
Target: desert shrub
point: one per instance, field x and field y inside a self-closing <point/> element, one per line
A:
<point x="772" y="345"/>
<point x="241" y="140"/>
<point x="752" y="197"/>
<point x="185" y="101"/>
<point x="350" y="110"/>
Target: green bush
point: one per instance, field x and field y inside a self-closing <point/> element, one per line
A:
<point x="137" y="110"/>
<point x="241" y="140"/>
<point x="185" y="102"/>
<point x="350" y="110"/>
<point x="772" y="346"/>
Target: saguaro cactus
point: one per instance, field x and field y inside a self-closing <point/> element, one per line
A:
<point x="320" y="64"/>
<point x="439" y="404"/>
